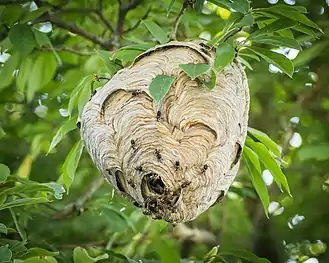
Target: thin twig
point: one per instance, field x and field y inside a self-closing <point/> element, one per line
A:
<point x="67" y="49"/>
<point x="123" y="10"/>
<point x="100" y="13"/>
<point x="77" y="205"/>
<point x="138" y="22"/>
<point x="178" y="18"/>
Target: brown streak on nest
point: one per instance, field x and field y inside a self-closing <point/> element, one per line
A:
<point x="177" y="163"/>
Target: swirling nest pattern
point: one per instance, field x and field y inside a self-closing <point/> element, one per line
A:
<point x="177" y="158"/>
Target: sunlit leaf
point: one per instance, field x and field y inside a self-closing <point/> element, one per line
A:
<point x="266" y="140"/>
<point x="253" y="166"/>
<point x="43" y="71"/>
<point x="276" y="59"/>
<point x="85" y="83"/>
<point x="80" y="255"/>
<point x="58" y="189"/>
<point x="4" y="172"/>
<point x="127" y="55"/>
<point x="39" y="252"/>
<point x="160" y="85"/>
<point x="71" y="164"/>
<point x="46" y="259"/>
<point x="24" y="74"/>
<point x="68" y="126"/>
<point x="21" y="36"/>
<point x="156" y="31"/>
<point x="278" y="25"/>
<point x="270" y="163"/>
<point x="225" y="54"/>
<point x="194" y="70"/>
<point x="7" y="71"/>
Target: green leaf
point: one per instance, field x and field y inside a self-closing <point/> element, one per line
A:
<point x="225" y="54"/>
<point x="23" y="202"/>
<point x="167" y="253"/>
<point x="270" y="163"/>
<point x="7" y="71"/>
<point x="194" y="70"/>
<point x="211" y="84"/>
<point x="41" y="38"/>
<point x="198" y="5"/>
<point x="278" y="25"/>
<point x="247" y="20"/>
<point x="160" y="85"/>
<point x="266" y="140"/>
<point x="127" y="55"/>
<point x="45" y="259"/>
<point x="318" y="152"/>
<point x="21" y="36"/>
<point x="5" y="254"/>
<point x="278" y="41"/>
<point x="19" y="226"/>
<point x="57" y="189"/>
<point x="4" y="172"/>
<point x="311" y="53"/>
<point x="246" y="255"/>
<point x="110" y="64"/>
<point x="39" y="252"/>
<point x="119" y="220"/>
<point x="85" y="95"/>
<point x="71" y="164"/>
<point x="249" y="55"/>
<point x="80" y="255"/>
<point x="296" y="15"/>
<point x="43" y="71"/>
<point x="156" y="31"/>
<point x="172" y="2"/>
<point x="241" y="6"/>
<point x="211" y="254"/>
<point x="24" y="74"/>
<point x="245" y="62"/>
<point x="253" y="166"/>
<point x="3" y="229"/>
<point x="85" y="83"/>
<point x="35" y="13"/>
<point x="276" y="59"/>
<point x="68" y="126"/>
<point x="284" y="8"/>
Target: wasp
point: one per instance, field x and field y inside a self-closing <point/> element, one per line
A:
<point x="157" y="154"/>
<point x="133" y="144"/>
<point x="158" y="115"/>
<point x="177" y="165"/>
<point x="204" y="169"/>
<point x="185" y="184"/>
<point x="136" y="92"/>
<point x="139" y="168"/>
<point x="131" y="183"/>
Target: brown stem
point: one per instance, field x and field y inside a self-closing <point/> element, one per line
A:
<point x="77" y="205"/>
<point x="178" y="18"/>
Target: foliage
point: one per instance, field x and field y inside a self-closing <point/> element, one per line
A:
<point x="54" y="56"/>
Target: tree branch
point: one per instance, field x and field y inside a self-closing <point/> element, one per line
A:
<point x="139" y="21"/>
<point x="176" y="23"/>
<point x="76" y="30"/>
<point x="67" y="49"/>
<point x="101" y="15"/>
<point x="123" y="10"/>
<point x="77" y="205"/>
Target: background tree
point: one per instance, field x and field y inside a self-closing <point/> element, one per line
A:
<point x="54" y="53"/>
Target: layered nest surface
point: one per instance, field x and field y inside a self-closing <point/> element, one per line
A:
<point x="175" y="158"/>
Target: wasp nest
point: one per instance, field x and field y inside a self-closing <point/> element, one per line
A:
<point x="176" y="158"/>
